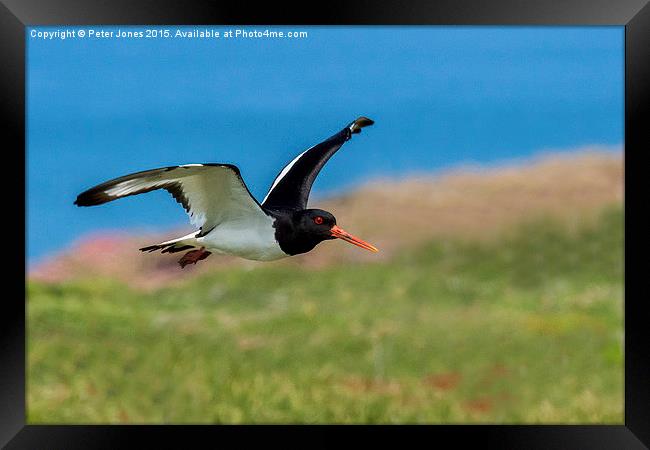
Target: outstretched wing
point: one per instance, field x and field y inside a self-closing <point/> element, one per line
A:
<point x="210" y="193"/>
<point x="292" y="185"/>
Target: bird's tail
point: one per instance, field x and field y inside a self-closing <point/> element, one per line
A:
<point x="174" y="245"/>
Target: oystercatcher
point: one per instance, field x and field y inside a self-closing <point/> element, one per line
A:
<point x="230" y="220"/>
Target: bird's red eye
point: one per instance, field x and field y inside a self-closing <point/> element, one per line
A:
<point x="318" y="220"/>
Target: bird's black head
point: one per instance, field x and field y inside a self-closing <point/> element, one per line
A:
<point x="315" y="223"/>
<point x="308" y="228"/>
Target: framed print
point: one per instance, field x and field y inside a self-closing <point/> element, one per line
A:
<point x="365" y="214"/>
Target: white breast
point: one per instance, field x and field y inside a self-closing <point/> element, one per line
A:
<point x="250" y="240"/>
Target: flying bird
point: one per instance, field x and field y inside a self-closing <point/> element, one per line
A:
<point x="229" y="219"/>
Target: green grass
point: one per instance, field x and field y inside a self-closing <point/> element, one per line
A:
<point x="527" y="329"/>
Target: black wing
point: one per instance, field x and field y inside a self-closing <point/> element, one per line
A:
<point x="292" y="185"/>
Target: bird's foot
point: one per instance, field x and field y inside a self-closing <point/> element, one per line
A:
<point x="193" y="256"/>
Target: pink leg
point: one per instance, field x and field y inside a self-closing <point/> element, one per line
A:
<point x="193" y="256"/>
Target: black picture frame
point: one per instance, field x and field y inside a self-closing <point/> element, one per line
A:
<point x="16" y="15"/>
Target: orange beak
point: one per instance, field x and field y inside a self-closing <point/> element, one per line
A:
<point x="341" y="234"/>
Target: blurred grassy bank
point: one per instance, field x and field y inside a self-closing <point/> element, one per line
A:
<point x="523" y="328"/>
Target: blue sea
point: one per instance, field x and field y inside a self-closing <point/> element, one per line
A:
<point x="101" y="107"/>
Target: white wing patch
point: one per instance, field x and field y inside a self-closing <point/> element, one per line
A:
<point x="284" y="171"/>
<point x="211" y="194"/>
<point x="132" y="186"/>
